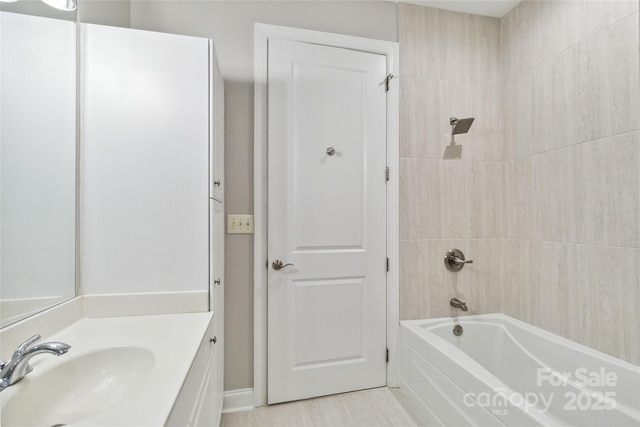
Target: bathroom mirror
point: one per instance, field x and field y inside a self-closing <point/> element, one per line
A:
<point x="37" y="159"/>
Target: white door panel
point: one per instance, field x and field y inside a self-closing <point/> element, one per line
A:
<point x="319" y="179"/>
<point x="327" y="216"/>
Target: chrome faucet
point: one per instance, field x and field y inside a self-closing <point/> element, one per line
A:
<point x="455" y="302"/>
<point x="15" y="369"/>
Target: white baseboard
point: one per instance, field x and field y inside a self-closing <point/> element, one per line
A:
<point x="237" y="400"/>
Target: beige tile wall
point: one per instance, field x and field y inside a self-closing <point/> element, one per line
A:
<point x="571" y="177"/>
<point x="544" y="193"/>
<point x="450" y="195"/>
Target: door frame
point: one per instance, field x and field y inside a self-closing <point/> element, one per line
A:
<point x="263" y="32"/>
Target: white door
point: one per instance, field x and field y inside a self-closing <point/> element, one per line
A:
<point x="327" y="217"/>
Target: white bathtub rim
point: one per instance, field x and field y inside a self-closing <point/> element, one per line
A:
<point x="571" y="381"/>
<point x="488" y="380"/>
<point x="417" y="327"/>
<point x="455" y="355"/>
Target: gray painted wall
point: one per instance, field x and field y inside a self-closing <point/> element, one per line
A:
<point x="116" y="13"/>
<point x="231" y="24"/>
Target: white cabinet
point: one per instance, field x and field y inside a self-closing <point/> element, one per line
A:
<point x="216" y="209"/>
<point x="152" y="182"/>
<point x="216" y="161"/>
<point x="217" y="297"/>
<point x="193" y="407"/>
<point x="145" y="170"/>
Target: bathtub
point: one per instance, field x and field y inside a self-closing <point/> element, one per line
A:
<point x="502" y="371"/>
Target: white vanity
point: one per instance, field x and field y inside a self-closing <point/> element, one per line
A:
<point x="146" y="370"/>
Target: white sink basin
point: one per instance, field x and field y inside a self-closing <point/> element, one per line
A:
<point x="78" y="387"/>
<point x="120" y="371"/>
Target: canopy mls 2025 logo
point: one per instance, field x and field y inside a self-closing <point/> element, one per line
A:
<point x="580" y="390"/>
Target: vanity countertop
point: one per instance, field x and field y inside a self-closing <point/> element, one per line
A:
<point x="129" y="369"/>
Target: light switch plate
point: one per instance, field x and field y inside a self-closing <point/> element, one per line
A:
<point x="240" y="224"/>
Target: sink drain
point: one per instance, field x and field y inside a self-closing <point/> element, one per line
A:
<point x="457" y="330"/>
<point x="58" y="425"/>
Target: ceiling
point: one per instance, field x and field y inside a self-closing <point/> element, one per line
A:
<point x="495" y="8"/>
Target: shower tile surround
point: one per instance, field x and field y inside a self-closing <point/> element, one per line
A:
<point x="542" y="193"/>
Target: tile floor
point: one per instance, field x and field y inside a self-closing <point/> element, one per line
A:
<point x="378" y="407"/>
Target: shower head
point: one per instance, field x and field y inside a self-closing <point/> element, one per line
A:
<point x="460" y="125"/>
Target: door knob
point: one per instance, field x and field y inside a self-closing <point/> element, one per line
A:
<point x="277" y="265"/>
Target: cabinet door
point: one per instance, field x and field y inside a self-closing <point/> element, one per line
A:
<point x="145" y="124"/>
<point x="216" y="251"/>
<point x="216" y="128"/>
<point x="217" y="303"/>
<point x="204" y="414"/>
<point x="194" y="401"/>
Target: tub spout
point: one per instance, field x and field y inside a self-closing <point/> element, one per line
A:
<point x="455" y="302"/>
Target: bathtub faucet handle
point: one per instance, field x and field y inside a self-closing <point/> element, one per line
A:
<point x="454" y="260"/>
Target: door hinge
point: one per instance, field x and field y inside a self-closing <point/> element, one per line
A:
<point x="386" y="173"/>
<point x="387" y="264"/>
<point x="387" y="355"/>
<point x="387" y="80"/>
